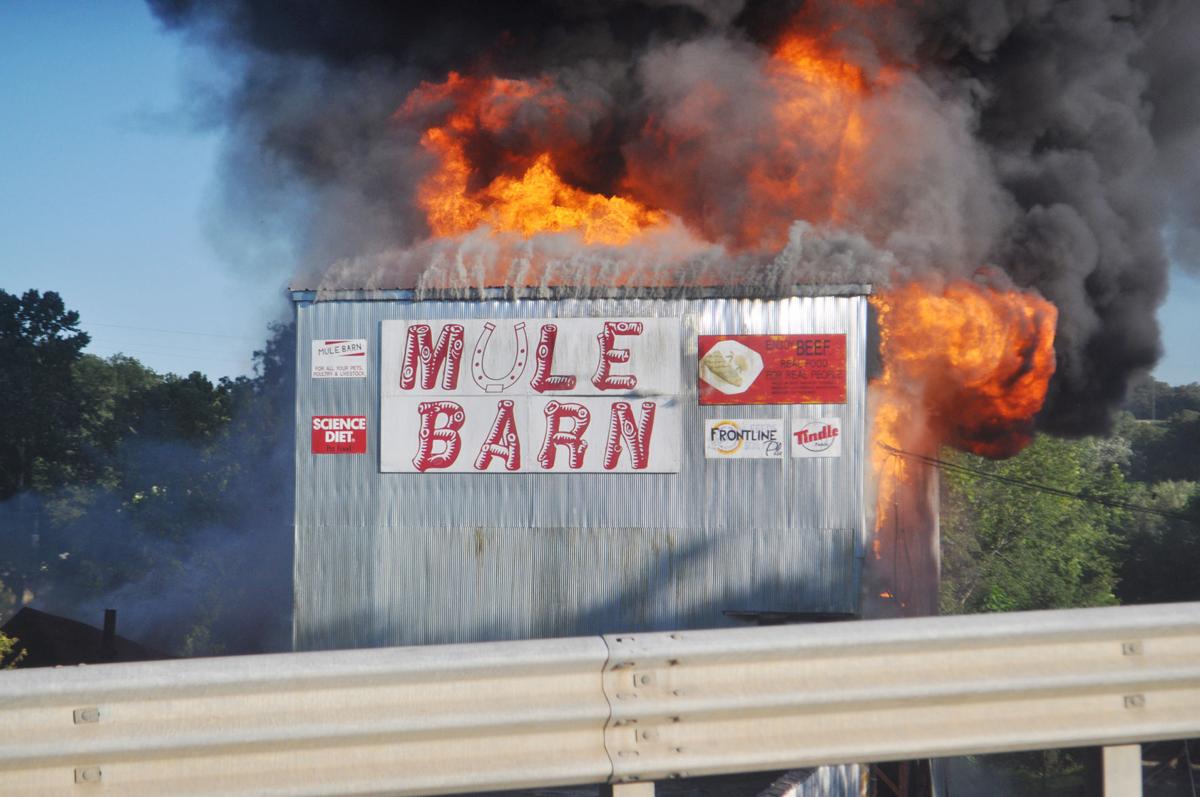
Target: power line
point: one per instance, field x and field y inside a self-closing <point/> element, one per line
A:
<point x="1045" y="488"/>
<point x="170" y="331"/>
<point x="168" y="347"/>
<point x="146" y="353"/>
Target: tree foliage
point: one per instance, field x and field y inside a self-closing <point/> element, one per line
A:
<point x="168" y="497"/>
<point x="1162" y="561"/>
<point x="39" y="344"/>
<point x="1009" y="548"/>
<point x="1166" y="450"/>
<point x="1152" y="400"/>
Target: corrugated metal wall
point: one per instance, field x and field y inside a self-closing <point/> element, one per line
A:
<point x="399" y="559"/>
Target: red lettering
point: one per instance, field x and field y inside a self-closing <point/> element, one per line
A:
<point x="502" y="440"/>
<point x="621" y="425"/>
<point x="445" y="357"/>
<point x="608" y="355"/>
<point x="556" y="436"/>
<point x="543" y="380"/>
<point x="804" y="436"/>
<point x="431" y="433"/>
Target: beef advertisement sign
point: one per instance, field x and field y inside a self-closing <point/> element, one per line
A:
<point x="772" y="369"/>
<point x="533" y="395"/>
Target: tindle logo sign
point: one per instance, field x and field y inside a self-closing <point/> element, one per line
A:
<point x="820" y="437"/>
<point x="339" y="434"/>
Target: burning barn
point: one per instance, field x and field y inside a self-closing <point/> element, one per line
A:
<point x="1002" y="175"/>
<point x="505" y="468"/>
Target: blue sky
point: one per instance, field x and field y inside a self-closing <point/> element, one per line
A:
<point x="106" y="191"/>
<point x="105" y="185"/>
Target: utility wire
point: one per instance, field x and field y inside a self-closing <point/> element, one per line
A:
<point x="1045" y="488"/>
<point x="170" y="331"/>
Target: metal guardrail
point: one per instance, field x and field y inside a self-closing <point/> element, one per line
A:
<point x="443" y="719"/>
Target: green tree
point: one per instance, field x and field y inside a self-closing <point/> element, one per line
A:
<point x="1166" y="450"/>
<point x="1162" y="563"/>
<point x="152" y="489"/>
<point x="39" y="344"/>
<point x="113" y="387"/>
<point x="1150" y="399"/>
<point x="1011" y="548"/>
<point x="8" y="644"/>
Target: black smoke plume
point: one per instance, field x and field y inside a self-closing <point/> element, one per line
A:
<point x="1055" y="140"/>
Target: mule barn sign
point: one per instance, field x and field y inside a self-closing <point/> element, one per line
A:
<point x="534" y="395"/>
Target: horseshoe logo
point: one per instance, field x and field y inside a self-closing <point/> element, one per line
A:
<point x="498" y="385"/>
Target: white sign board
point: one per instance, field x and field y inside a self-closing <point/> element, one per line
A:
<point x="530" y="395"/>
<point x="818" y="437"/>
<point x="744" y="438"/>
<point x="339" y="359"/>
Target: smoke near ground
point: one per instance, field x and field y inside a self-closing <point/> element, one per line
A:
<point x="166" y="498"/>
<point x="1054" y="141"/>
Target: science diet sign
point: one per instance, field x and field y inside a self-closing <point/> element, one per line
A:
<point x="339" y="434"/>
<point x="562" y="395"/>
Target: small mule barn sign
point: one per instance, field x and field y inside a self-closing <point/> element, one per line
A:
<point x="533" y="395"/>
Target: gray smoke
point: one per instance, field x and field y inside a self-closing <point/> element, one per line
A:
<point x="1055" y="140"/>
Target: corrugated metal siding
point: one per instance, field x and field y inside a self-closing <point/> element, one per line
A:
<point x="395" y="559"/>
<point x="843" y="780"/>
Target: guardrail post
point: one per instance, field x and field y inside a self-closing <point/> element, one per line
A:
<point x="1123" y="771"/>
<point x="627" y="790"/>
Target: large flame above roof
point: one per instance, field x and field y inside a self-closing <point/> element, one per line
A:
<point x="505" y="156"/>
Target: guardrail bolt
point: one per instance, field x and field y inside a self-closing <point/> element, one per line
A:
<point x="644" y="679"/>
<point x="1135" y="701"/>
<point x="87" y="775"/>
<point x="86" y="715"/>
<point x="646" y="735"/>
<point x="1131" y="648"/>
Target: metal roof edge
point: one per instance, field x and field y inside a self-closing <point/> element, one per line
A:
<point x="308" y="295"/>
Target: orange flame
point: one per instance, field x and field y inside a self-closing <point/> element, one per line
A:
<point x="805" y="160"/>
<point x="503" y="157"/>
<point x="821" y="133"/>
<point x="536" y="201"/>
<point x="965" y="365"/>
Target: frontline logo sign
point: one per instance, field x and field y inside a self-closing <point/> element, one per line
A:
<point x="744" y="439"/>
<point x="339" y="434"/>
<point x="570" y="395"/>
